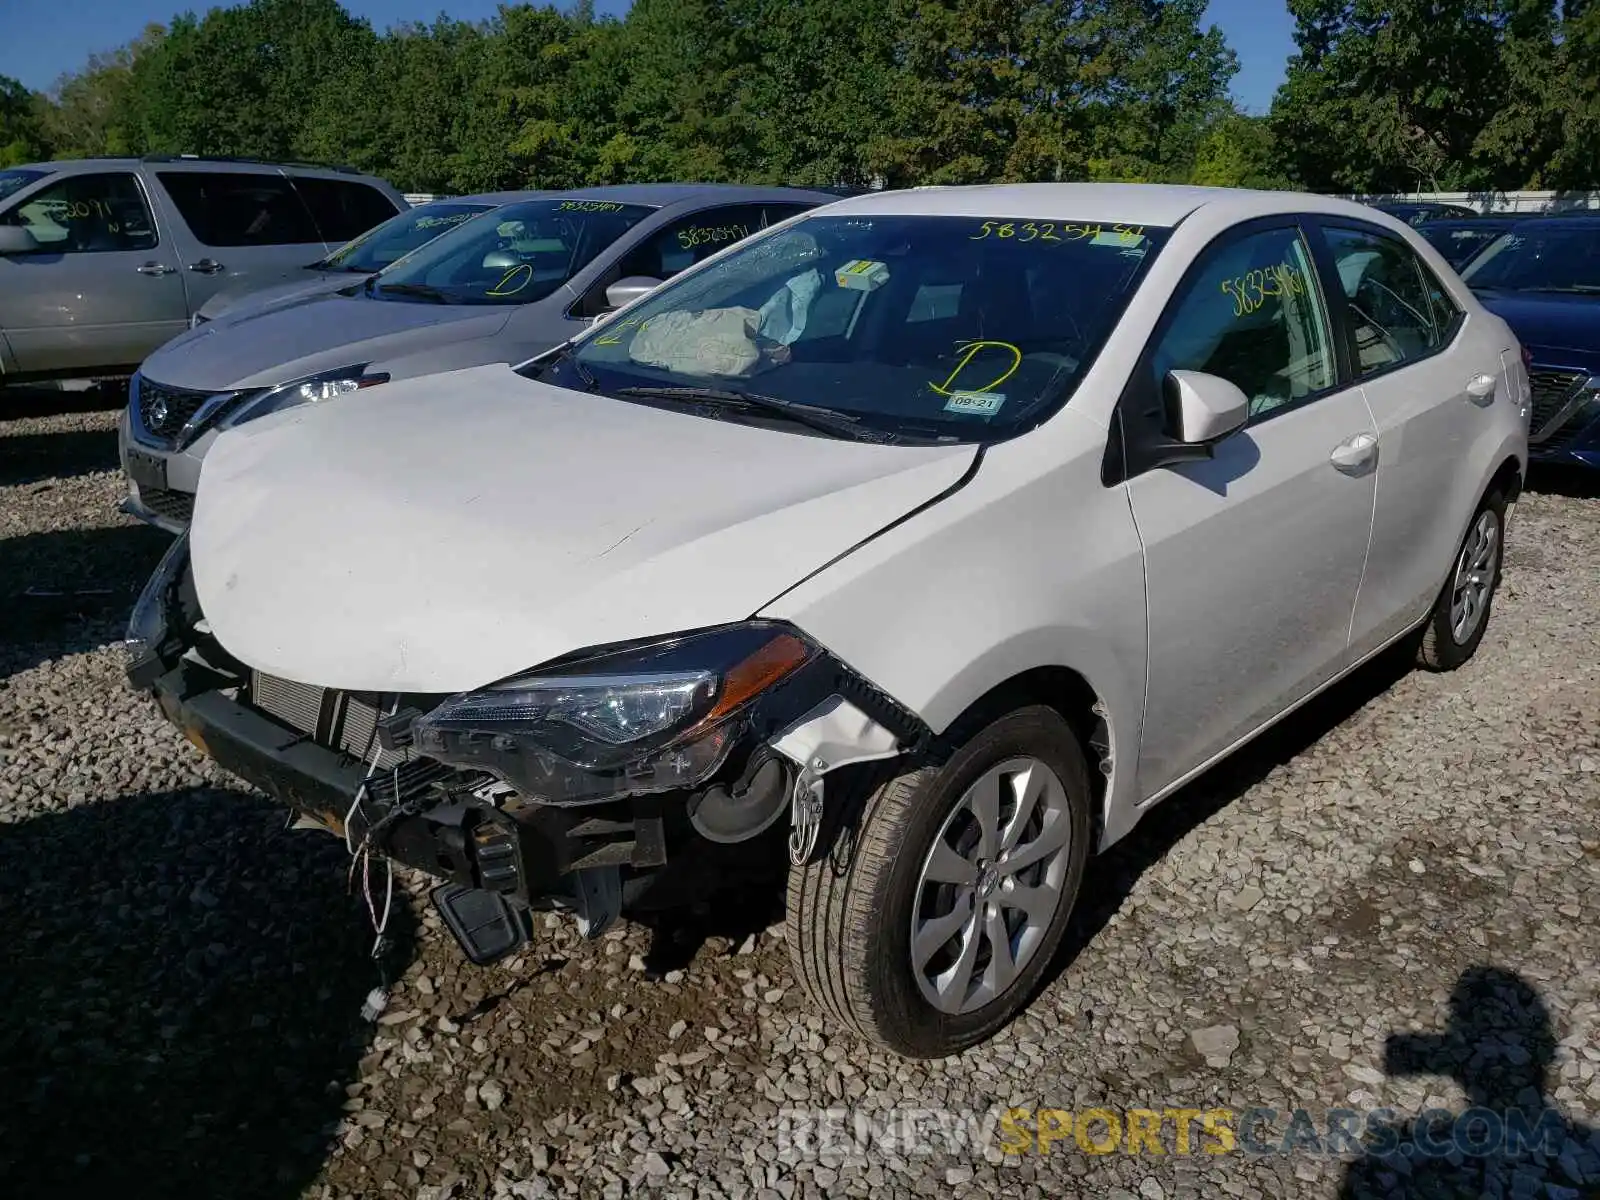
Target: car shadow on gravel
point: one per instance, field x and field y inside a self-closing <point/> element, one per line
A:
<point x="1576" y="482"/>
<point x="70" y="590"/>
<point x="39" y="457"/>
<point x="1110" y="877"/>
<point x="21" y="401"/>
<point x="180" y="1009"/>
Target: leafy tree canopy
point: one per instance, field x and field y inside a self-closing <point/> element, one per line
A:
<point x="1380" y="95"/>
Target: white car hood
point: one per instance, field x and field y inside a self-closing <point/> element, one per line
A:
<point x="461" y="527"/>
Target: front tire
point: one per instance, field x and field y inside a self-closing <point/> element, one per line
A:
<point x="945" y="894"/>
<point x="1461" y="614"/>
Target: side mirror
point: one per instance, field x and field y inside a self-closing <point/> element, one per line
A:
<point x="1202" y="409"/>
<point x="626" y="291"/>
<point x="15" y="239"/>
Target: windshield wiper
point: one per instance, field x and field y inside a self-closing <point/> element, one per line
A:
<point x="426" y="291"/>
<point x="823" y="420"/>
<point x="1582" y="289"/>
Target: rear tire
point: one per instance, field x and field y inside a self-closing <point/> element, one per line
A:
<point x="1015" y="863"/>
<point x="1461" y="613"/>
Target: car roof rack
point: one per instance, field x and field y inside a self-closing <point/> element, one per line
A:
<point x="342" y="168"/>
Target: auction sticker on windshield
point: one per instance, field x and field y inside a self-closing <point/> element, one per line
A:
<point x="977" y="404"/>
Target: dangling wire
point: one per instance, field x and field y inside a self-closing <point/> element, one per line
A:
<point x="362" y="855"/>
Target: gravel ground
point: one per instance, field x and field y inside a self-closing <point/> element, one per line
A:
<point x="1389" y="901"/>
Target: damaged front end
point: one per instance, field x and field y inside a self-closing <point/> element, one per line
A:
<point x="624" y="777"/>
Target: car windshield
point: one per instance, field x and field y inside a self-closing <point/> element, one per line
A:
<point x="10" y="181"/>
<point x="1458" y="243"/>
<point x="1548" y="258"/>
<point x="948" y="328"/>
<point x="391" y="241"/>
<point x="517" y="254"/>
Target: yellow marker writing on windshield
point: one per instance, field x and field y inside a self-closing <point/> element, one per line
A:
<point x="613" y="337"/>
<point x="503" y="288"/>
<point x="969" y="351"/>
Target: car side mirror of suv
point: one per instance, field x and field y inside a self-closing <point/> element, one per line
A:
<point x="16" y="239"/>
<point x="1202" y="409"/>
<point x="626" y="291"/>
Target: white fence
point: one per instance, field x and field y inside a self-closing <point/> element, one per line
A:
<point x="1497" y="202"/>
<point x="1483" y="202"/>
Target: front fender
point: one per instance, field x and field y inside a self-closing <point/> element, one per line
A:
<point x="1033" y="563"/>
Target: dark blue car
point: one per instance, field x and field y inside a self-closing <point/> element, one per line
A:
<point x="1543" y="278"/>
<point x="1461" y="239"/>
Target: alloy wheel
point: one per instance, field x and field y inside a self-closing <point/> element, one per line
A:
<point x="990" y="886"/>
<point x="1476" y="570"/>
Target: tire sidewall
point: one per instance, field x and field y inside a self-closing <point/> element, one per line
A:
<point x="1455" y="653"/>
<point x="1037" y="732"/>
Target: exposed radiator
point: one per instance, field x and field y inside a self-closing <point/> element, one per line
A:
<point x="345" y="721"/>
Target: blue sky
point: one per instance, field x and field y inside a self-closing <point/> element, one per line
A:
<point x="40" y="39"/>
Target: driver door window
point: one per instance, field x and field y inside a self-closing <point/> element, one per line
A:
<point x="85" y="214"/>
<point x="681" y="244"/>
<point x="687" y="241"/>
<point x="1253" y="315"/>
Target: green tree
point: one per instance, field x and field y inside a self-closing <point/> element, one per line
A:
<point x="1398" y="95"/>
<point x="90" y="113"/>
<point x="406" y="115"/>
<point x="1238" y="151"/>
<point x="1000" y="89"/>
<point x="790" y="91"/>
<point x="550" y="92"/>
<point x="21" y="138"/>
<point x="243" y="80"/>
<point x="817" y="91"/>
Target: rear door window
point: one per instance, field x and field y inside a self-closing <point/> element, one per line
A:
<point x="1397" y="311"/>
<point x="240" y="209"/>
<point x="86" y="214"/>
<point x="343" y="208"/>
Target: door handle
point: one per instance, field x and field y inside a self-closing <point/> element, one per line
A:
<point x="154" y="268"/>
<point x="206" y="266"/>
<point x="1481" y="387"/>
<point x="1355" y="455"/>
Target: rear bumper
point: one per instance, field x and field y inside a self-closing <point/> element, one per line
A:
<point x="527" y="852"/>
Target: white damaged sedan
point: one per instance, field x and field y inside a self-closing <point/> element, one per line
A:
<point x="927" y="540"/>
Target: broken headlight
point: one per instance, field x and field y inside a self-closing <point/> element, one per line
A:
<point x="647" y="718"/>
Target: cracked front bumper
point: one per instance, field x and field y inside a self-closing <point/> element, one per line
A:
<point x="526" y="851"/>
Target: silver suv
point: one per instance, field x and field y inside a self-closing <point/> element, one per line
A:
<point x="102" y="260"/>
<point x="501" y="287"/>
<point x="365" y="254"/>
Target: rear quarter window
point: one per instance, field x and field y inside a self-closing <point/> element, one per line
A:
<point x="343" y="208"/>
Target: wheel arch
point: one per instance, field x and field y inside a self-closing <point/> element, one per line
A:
<point x="1068" y="692"/>
<point x="1507" y="480"/>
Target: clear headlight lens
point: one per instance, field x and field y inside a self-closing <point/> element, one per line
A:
<point x="615" y="709"/>
<point x="313" y="389"/>
<point x="643" y="719"/>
